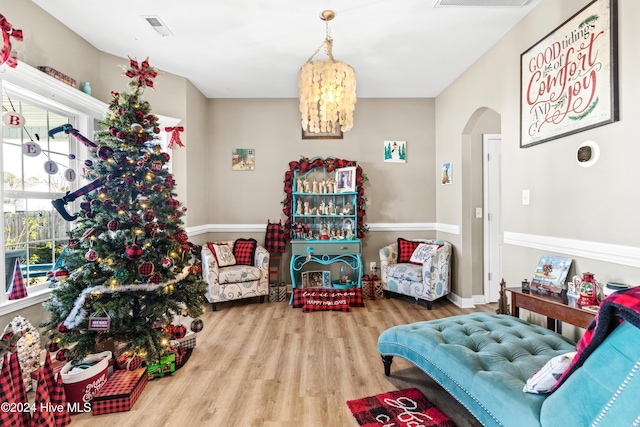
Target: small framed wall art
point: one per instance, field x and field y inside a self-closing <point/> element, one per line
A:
<point x="447" y="174"/>
<point x="243" y="159"/>
<point x="395" y="151"/>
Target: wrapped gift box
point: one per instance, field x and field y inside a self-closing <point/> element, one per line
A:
<point x="188" y="341"/>
<point x="120" y="393"/>
<point x="372" y="290"/>
<point x="166" y="366"/>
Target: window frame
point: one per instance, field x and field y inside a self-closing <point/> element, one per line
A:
<point x="33" y="86"/>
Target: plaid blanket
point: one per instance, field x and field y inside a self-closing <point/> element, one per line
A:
<point x="621" y="306"/>
<point x="274" y="241"/>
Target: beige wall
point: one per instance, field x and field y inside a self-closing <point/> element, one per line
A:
<point x="588" y="204"/>
<point x="396" y="192"/>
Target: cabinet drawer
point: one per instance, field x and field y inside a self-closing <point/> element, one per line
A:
<point x="325" y="248"/>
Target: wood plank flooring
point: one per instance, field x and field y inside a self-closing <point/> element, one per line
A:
<point x="271" y="365"/>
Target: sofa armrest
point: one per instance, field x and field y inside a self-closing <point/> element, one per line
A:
<point x="261" y="261"/>
<point x="436" y="267"/>
<point x="388" y="257"/>
<point x="210" y="272"/>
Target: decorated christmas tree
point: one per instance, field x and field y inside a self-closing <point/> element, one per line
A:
<point x="130" y="266"/>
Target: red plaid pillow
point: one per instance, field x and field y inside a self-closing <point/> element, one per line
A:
<point x="354" y="295"/>
<point x="326" y="304"/>
<point x="405" y="249"/>
<point x="245" y="251"/>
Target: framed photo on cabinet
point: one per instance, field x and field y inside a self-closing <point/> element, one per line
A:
<point x="346" y="179"/>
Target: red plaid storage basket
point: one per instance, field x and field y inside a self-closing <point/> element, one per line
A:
<point x="120" y="393"/>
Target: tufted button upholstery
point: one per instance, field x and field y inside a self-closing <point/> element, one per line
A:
<point x="470" y="354"/>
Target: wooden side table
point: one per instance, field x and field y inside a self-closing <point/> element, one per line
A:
<point x="557" y="308"/>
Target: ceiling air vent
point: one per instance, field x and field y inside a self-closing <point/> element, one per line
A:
<point x="480" y="3"/>
<point x="159" y="26"/>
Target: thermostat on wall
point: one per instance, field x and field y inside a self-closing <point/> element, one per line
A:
<point x="588" y="154"/>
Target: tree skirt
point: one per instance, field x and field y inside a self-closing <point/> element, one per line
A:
<point x="398" y="408"/>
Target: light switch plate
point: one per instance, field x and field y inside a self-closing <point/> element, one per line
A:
<point x="525" y="197"/>
<point x="478" y="212"/>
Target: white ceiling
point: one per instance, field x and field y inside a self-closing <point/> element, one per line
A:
<point x="254" y="48"/>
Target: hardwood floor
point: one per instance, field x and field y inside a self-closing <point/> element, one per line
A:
<point x="271" y="365"/>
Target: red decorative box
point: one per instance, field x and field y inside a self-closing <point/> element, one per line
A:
<point x="120" y="393"/>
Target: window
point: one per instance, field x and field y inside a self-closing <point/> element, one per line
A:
<point x="36" y="170"/>
<point x="33" y="231"/>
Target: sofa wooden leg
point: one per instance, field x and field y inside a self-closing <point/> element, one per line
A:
<point x="386" y="360"/>
<point x="428" y="305"/>
<point x="261" y="299"/>
<point x="214" y="306"/>
<point x="387" y="294"/>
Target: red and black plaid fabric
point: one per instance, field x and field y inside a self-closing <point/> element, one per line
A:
<point x="274" y="240"/>
<point x="8" y="418"/>
<point x="621" y="306"/>
<point x="301" y="295"/>
<point x="328" y="304"/>
<point x="120" y="392"/>
<point x="244" y="250"/>
<point x="18" y="288"/>
<point x="59" y="399"/>
<point x="47" y="371"/>
<point x="42" y="417"/>
<point x="405" y="249"/>
<point x="398" y="408"/>
<point x="19" y="390"/>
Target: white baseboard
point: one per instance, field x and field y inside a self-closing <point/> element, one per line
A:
<point x="461" y="302"/>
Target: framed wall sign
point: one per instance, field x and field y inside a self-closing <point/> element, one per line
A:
<point x="569" y="79"/>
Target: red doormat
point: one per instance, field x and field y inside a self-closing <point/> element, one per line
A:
<point x="399" y="408"/>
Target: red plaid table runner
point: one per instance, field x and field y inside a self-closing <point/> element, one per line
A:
<point x="120" y="392"/>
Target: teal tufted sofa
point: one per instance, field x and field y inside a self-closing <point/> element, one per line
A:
<point x="483" y="360"/>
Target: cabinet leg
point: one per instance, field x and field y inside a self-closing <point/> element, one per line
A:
<point x="386" y="360"/>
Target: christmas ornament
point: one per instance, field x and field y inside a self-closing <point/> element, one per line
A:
<point x="146" y="269"/>
<point x="113" y="225"/>
<point x="62" y="328"/>
<point x="179" y="331"/>
<point x="91" y="255"/>
<point x="121" y="274"/>
<point x="52" y="346"/>
<point x="137" y="127"/>
<point x="88" y="163"/>
<point x="88" y="233"/>
<point x="156" y="278"/>
<point x="166" y="156"/>
<point x="135" y="219"/>
<point x="195" y="269"/>
<point x="90" y="214"/>
<point x="166" y="263"/>
<point x="143" y="73"/>
<point x="181" y="237"/>
<point x="173" y="203"/>
<point x="156" y="166"/>
<point x="149" y="216"/>
<point x="197" y="325"/>
<point x="104" y="152"/>
<point x="133" y="252"/>
<point x="61" y="355"/>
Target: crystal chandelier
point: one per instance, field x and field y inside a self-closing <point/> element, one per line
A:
<point x="327" y="90"/>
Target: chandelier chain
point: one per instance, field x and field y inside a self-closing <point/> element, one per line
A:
<point x="327" y="44"/>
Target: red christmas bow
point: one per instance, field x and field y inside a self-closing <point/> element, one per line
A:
<point x="143" y="72"/>
<point x="7" y="32"/>
<point x="175" y="135"/>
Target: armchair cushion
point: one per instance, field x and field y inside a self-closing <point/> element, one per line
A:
<point x="244" y="250"/>
<point x="405" y="249"/>
<point x="406" y="271"/>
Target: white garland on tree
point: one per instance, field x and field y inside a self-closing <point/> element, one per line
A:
<point x="78" y="313"/>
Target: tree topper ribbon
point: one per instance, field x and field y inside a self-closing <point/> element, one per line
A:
<point x="175" y="135"/>
<point x="143" y="73"/>
<point x="7" y="32"/>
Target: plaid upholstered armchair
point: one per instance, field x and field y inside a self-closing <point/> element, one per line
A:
<point x="234" y="270"/>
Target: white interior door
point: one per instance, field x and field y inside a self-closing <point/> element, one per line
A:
<point x="492" y="230"/>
